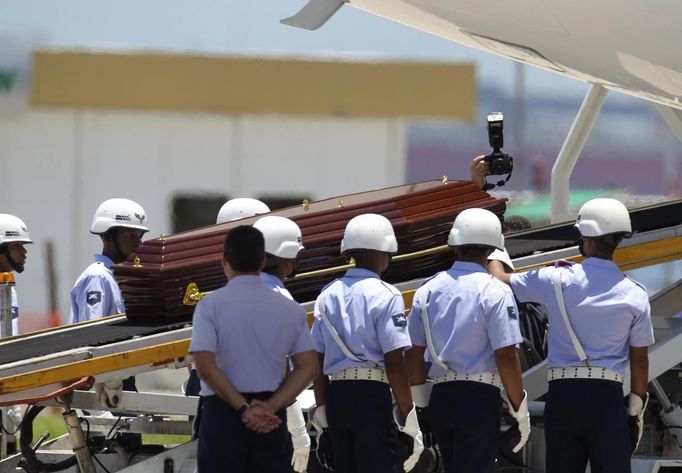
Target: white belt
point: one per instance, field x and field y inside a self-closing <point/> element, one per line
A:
<point x="359" y="374"/>
<point x="486" y="378"/>
<point x="584" y="372"/>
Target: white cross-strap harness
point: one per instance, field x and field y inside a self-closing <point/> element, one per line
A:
<point x="424" y="301"/>
<point x="450" y="374"/>
<point x="558" y="293"/>
<point x="337" y="339"/>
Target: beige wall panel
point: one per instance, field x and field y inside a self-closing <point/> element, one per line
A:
<point x="254" y="85"/>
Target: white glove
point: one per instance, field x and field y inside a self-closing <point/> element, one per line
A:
<point x="523" y="420"/>
<point x="319" y="419"/>
<point x="299" y="437"/>
<point x="421" y="393"/>
<point x="410" y="427"/>
<point x="636" y="408"/>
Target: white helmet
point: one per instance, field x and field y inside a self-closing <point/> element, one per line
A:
<point x="476" y="227"/>
<point x="599" y="217"/>
<point x="369" y="232"/>
<point x="282" y="236"/>
<point x="114" y="213"/>
<point x="503" y="257"/>
<point x="13" y="230"/>
<point x="241" y="207"/>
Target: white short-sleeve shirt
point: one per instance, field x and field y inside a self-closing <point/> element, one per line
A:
<point x="252" y="330"/>
<point x="96" y="293"/>
<point x="369" y="316"/>
<point x="609" y="312"/>
<point x="471" y="314"/>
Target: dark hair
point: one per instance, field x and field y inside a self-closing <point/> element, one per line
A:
<point x="515" y="223"/>
<point x="244" y="249"/>
<point x="607" y="244"/>
<point x="473" y="251"/>
<point x="271" y="263"/>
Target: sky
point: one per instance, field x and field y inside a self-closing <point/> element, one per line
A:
<point x="251" y="27"/>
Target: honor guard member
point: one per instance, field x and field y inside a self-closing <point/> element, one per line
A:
<point x="13" y="237"/>
<point x="467" y="320"/>
<point x="360" y="332"/>
<point x="120" y="223"/>
<point x="282" y="243"/>
<point x="598" y="319"/>
<point x="241" y="207"/>
<point x="242" y="336"/>
<point x="233" y="209"/>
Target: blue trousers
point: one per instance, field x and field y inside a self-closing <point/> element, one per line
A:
<point x="585" y="419"/>
<point x="227" y="446"/>
<point x="465" y="418"/>
<point x="361" y="427"/>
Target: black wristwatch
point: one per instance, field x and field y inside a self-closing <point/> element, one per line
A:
<point x="243" y="408"/>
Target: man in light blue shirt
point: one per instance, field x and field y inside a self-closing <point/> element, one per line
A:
<point x="120" y="224"/>
<point x="13" y="238"/>
<point x="467" y="321"/>
<point x="360" y="332"/>
<point x="233" y="209"/>
<point x="242" y="336"/>
<point x="283" y="241"/>
<point x="609" y="323"/>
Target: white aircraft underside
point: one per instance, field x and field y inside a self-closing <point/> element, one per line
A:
<point x="632" y="46"/>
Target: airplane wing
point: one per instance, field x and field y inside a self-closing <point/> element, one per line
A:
<point x="314" y="14"/>
<point x="629" y="46"/>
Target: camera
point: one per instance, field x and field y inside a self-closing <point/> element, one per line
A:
<point x="498" y="162"/>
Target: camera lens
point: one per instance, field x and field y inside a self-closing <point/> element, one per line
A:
<point x="499" y="164"/>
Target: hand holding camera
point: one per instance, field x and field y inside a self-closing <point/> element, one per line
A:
<point x="498" y="163"/>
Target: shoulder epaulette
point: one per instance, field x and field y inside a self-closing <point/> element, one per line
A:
<point x="637" y="283"/>
<point x="429" y="279"/>
<point x="505" y="287"/>
<point x="393" y="290"/>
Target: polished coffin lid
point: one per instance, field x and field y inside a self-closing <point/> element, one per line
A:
<point x="154" y="281"/>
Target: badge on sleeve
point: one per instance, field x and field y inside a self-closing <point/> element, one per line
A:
<point x="399" y="320"/>
<point x="511" y="312"/>
<point x="94" y="297"/>
<point x="15" y="312"/>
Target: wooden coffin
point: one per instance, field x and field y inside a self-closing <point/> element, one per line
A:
<point x="155" y="280"/>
